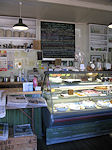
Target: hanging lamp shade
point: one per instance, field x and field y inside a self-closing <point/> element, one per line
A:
<point x="20" y="25"/>
<point x="110" y="25"/>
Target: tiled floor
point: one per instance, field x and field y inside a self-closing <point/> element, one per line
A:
<point x="96" y="143"/>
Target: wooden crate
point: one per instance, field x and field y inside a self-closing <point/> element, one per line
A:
<point x="19" y="143"/>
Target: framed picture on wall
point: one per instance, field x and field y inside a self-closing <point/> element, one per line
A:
<point x="95" y="58"/>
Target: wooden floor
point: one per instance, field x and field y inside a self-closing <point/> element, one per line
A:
<point x="97" y="143"/>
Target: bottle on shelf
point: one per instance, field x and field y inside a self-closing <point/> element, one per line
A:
<point x="108" y="65"/>
<point x="99" y="64"/>
<point x="82" y="67"/>
<point x="35" y="82"/>
<point x="11" y="77"/>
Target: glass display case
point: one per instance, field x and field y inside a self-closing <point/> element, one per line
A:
<point x="72" y="94"/>
<point x="79" y="105"/>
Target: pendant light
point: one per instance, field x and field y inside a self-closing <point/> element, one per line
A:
<point x="110" y="25"/>
<point x="20" y="25"/>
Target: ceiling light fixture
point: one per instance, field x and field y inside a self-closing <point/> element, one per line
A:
<point x="20" y="25"/>
<point x="110" y="25"/>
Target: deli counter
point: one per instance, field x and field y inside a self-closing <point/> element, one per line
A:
<point x="79" y="105"/>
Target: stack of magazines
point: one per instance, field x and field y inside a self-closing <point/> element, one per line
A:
<point x="2" y="104"/>
<point x="35" y="102"/>
<point x="2" y="111"/>
<point x="17" y="101"/>
<point x="3" y="131"/>
<point x="22" y="130"/>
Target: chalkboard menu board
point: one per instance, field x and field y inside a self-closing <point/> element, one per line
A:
<point x="57" y="40"/>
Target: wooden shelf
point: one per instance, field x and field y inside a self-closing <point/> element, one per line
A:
<point x="18" y="91"/>
<point x="9" y="83"/>
<point x="17" y="38"/>
<point x="16" y="49"/>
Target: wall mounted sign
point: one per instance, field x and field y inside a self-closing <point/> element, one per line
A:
<point x="57" y="40"/>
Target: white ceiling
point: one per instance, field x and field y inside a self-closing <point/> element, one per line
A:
<point x="81" y="11"/>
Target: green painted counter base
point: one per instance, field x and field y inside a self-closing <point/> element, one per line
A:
<point x="17" y="117"/>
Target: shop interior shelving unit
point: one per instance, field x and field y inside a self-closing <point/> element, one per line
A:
<point x="16" y="40"/>
<point x="98" y="43"/>
<point x="109" y="38"/>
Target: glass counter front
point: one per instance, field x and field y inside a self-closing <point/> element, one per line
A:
<point x="67" y="92"/>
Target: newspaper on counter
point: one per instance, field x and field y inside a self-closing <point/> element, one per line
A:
<point x="17" y="101"/>
<point x="35" y="102"/>
<point x="3" y="131"/>
<point x="2" y="103"/>
<point x="22" y="130"/>
<point x="2" y="111"/>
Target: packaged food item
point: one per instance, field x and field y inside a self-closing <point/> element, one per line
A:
<point x="70" y="92"/>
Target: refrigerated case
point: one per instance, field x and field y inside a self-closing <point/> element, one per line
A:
<point x="79" y="105"/>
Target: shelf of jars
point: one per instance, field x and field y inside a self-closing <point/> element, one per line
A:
<point x="19" y="91"/>
<point x="16" y="40"/>
<point x="9" y="33"/>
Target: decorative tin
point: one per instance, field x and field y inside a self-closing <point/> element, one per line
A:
<point x="28" y="34"/>
<point x="22" y="34"/>
<point x="16" y="34"/>
<point x="1" y="32"/>
<point x="8" y="33"/>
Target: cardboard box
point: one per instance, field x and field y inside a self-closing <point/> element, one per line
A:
<point x="19" y="143"/>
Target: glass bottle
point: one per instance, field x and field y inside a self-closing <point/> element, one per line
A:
<point x="11" y="77"/>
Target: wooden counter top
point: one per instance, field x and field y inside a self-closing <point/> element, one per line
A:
<point x="8" y="83"/>
<point x="18" y="91"/>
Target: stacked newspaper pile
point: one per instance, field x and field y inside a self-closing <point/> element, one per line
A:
<point x="35" y="102"/>
<point x="22" y="130"/>
<point x="3" y="131"/>
<point x="17" y="101"/>
<point x="2" y="104"/>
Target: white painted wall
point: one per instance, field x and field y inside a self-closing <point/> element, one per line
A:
<point x="29" y="60"/>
